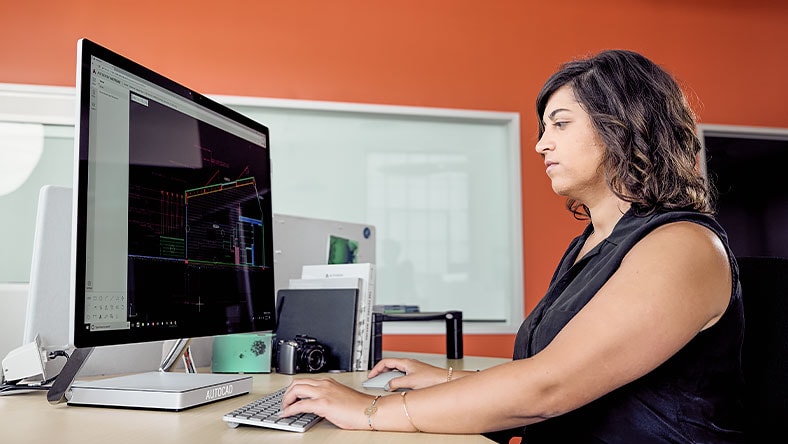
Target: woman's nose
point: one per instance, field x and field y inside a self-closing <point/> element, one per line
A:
<point x="544" y="144"/>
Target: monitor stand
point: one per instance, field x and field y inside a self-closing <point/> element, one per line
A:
<point x="159" y="390"/>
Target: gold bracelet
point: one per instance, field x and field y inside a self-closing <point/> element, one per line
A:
<point x="369" y="411"/>
<point x="407" y="415"/>
<point x="448" y="376"/>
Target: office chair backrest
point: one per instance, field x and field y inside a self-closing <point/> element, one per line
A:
<point x="764" y="284"/>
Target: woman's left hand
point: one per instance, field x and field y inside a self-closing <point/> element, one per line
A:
<point x="336" y="402"/>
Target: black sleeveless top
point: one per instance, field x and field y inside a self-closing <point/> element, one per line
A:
<point x="693" y="397"/>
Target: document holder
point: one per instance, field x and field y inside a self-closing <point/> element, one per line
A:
<point x="326" y="314"/>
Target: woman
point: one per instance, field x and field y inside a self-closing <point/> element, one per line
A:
<point x="638" y="338"/>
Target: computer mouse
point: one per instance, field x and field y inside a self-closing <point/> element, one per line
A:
<point x="381" y="381"/>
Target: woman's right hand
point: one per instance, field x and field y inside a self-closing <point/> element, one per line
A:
<point x="417" y="374"/>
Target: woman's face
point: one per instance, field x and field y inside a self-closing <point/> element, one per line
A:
<point x="571" y="148"/>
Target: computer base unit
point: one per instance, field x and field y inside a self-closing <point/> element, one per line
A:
<point x="159" y="390"/>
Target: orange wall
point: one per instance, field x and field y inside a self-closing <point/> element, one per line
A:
<point x="492" y="55"/>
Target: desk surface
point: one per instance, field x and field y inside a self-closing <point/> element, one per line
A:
<point x="29" y="418"/>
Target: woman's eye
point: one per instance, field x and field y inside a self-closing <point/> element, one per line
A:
<point x="560" y="125"/>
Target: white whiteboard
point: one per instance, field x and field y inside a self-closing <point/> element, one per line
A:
<point x="442" y="188"/>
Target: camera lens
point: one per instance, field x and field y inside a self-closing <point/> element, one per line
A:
<point x="314" y="359"/>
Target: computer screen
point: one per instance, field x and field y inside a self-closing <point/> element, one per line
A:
<point x="746" y="165"/>
<point x="172" y="210"/>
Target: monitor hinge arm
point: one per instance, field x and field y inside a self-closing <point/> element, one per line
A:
<point x="59" y="392"/>
<point x="180" y="349"/>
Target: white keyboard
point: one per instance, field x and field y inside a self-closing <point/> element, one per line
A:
<point x="264" y="412"/>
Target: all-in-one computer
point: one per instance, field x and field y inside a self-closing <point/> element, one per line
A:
<point x="171" y="229"/>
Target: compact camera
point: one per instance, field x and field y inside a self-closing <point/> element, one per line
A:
<point x="302" y="354"/>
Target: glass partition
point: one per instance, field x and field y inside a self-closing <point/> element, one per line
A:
<point x="441" y="186"/>
<point x="32" y="155"/>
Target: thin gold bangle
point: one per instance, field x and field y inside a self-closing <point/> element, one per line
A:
<point x="448" y="376"/>
<point x="369" y="411"/>
<point x="407" y="415"/>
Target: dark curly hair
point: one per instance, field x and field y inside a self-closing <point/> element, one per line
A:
<point x="647" y="126"/>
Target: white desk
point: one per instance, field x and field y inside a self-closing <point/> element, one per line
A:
<point x="29" y="418"/>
